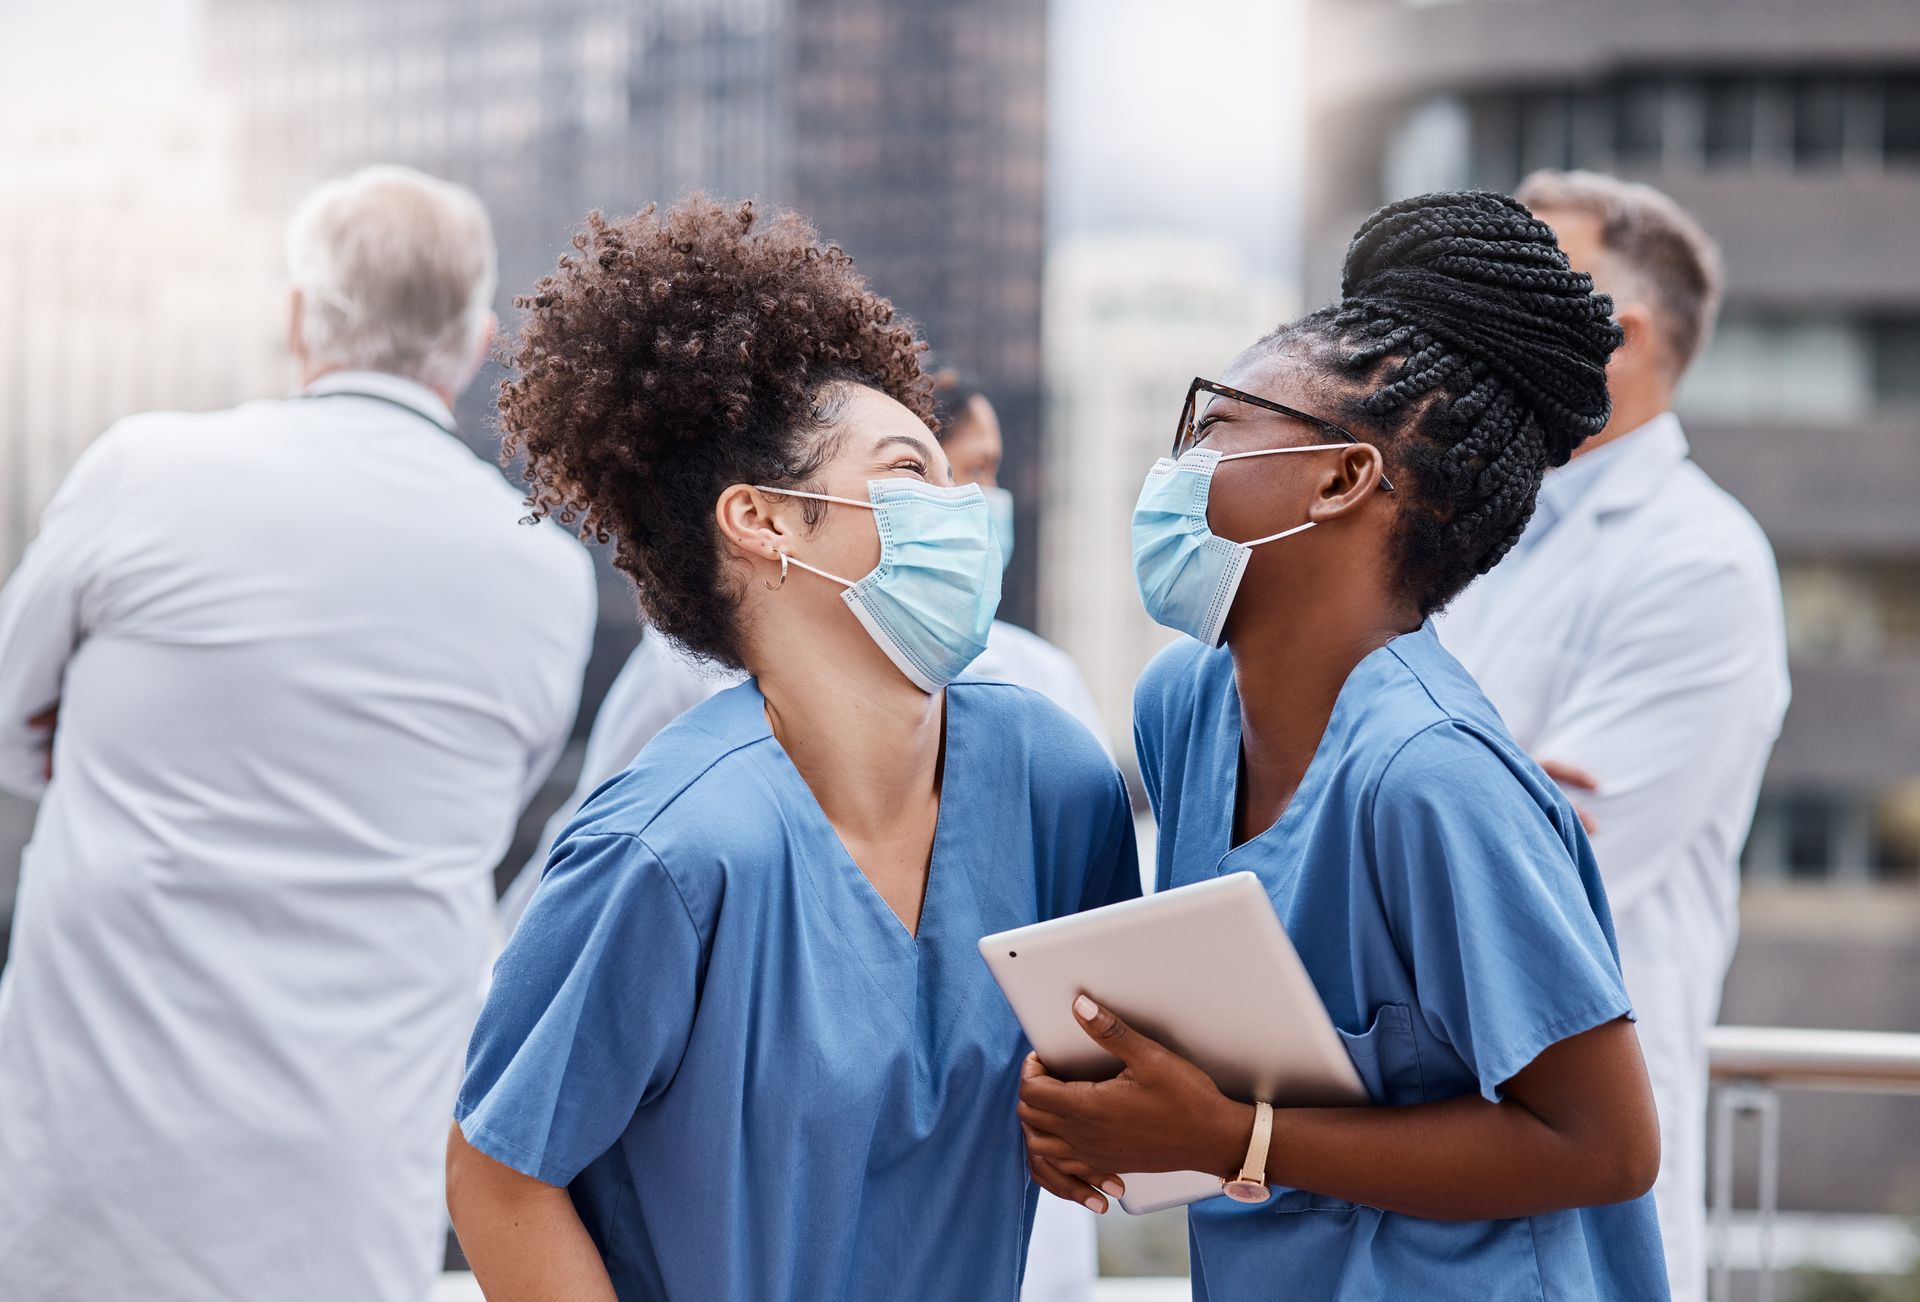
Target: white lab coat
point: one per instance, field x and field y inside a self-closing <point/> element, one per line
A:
<point x="1640" y="638"/>
<point x="309" y="668"/>
<point x="657" y="684"/>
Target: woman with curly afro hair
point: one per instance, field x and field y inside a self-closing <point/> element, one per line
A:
<point x="1312" y="730"/>
<point x="741" y="1047"/>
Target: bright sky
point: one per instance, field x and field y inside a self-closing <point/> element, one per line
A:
<point x="125" y="49"/>
<point x="1183" y="116"/>
<point x="1180" y="116"/>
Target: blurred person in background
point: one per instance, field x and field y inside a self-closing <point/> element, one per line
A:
<point x="970" y="435"/>
<point x="283" y="678"/>
<point x="1633" y="642"/>
<point x="1063" y="1259"/>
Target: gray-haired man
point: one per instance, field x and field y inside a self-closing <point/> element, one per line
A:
<point x="1633" y="643"/>
<point x="283" y="678"/>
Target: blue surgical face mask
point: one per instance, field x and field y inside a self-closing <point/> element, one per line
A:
<point x="1188" y="574"/>
<point x="1000" y="508"/>
<point x="930" y="601"/>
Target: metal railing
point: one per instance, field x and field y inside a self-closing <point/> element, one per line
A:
<point x="1749" y="1066"/>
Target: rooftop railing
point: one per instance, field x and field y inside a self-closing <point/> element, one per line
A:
<point x="1750" y="1066"/>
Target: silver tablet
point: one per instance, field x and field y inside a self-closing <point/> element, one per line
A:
<point x="1205" y="969"/>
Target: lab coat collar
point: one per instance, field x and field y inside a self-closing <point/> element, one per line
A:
<point x="1643" y="459"/>
<point x="1638" y="463"/>
<point x="410" y="394"/>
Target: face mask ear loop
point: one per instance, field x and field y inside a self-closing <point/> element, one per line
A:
<point x="1284" y="533"/>
<point x="786" y="560"/>
<point x="818" y="497"/>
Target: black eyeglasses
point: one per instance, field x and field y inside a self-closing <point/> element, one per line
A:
<point x="1187" y="437"/>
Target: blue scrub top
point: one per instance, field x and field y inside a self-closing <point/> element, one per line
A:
<point x="1444" y="899"/>
<point x="756" y="1084"/>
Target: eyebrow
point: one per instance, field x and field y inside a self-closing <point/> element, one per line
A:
<point x="910" y="441"/>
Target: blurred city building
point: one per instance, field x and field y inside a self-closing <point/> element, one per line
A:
<point x="1131" y="319"/>
<point x="913" y="135"/>
<point x="1793" y="132"/>
<point x="128" y="281"/>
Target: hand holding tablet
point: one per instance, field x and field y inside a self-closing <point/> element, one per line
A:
<point x="1205" y="971"/>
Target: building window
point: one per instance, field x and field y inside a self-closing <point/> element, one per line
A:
<point x="1896" y="832"/>
<point x="1777" y="367"/>
<point x="1900" y="121"/>
<point x="1768" y="369"/>
<point x="1730" y="110"/>
<point x="1856" y="837"/>
<point x="1640" y="119"/>
<point x="1858" y="610"/>
<point x="1819" y="121"/>
<point x="1896" y="361"/>
<point x="1810" y="825"/>
<point x="1715" y="121"/>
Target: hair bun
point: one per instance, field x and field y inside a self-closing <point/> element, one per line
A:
<point x="1477" y="274"/>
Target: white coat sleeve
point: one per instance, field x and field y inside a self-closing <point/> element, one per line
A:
<point x="1683" y="686"/>
<point x="44" y="611"/>
<point x="563" y="703"/>
<point x="653" y="688"/>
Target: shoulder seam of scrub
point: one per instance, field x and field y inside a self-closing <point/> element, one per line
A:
<point x="1446" y="715"/>
<point x="689" y="780"/>
<point x="678" y="892"/>
<point x="1373" y="795"/>
<point x="640" y="840"/>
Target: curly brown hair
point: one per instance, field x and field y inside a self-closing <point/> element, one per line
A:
<point x="673" y="354"/>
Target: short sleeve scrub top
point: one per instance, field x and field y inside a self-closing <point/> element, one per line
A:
<point x="1445" y="901"/>
<point x="755" y="1083"/>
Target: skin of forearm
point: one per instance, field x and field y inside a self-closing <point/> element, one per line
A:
<point x="522" y="1237"/>
<point x="1461" y="1159"/>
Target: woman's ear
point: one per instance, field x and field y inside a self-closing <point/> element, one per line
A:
<point x="1352" y="477"/>
<point x="753" y="528"/>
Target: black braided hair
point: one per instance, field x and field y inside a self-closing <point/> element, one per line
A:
<point x="1479" y="357"/>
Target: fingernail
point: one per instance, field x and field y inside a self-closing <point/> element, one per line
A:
<point x="1113" y="1188"/>
<point x="1094" y="1205"/>
<point x="1085" y="1007"/>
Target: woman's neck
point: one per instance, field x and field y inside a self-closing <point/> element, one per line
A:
<point x="869" y="750"/>
<point x="1288" y="673"/>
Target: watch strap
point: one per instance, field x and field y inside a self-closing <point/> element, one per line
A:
<point x="1255" y="1169"/>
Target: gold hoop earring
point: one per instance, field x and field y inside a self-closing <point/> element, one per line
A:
<point x="775" y="587"/>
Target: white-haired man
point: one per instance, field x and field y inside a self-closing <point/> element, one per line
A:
<point x="1633" y="643"/>
<point x="283" y="678"/>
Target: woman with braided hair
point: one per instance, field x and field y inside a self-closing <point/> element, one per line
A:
<point x="1312" y="730"/>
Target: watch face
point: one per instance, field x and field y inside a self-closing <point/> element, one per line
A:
<point x="1247" y="1191"/>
